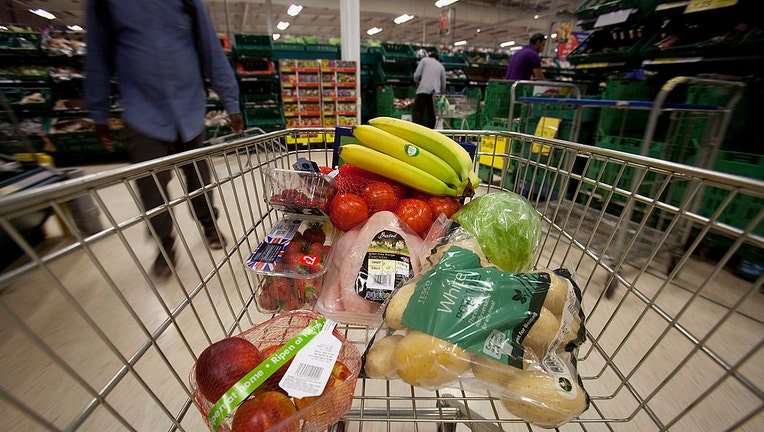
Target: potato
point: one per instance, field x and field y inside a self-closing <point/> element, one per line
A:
<point x="494" y="372"/>
<point x="469" y="243"/>
<point x="542" y="333"/>
<point x="380" y="362"/>
<point x="426" y="361"/>
<point x="534" y="398"/>
<point x="557" y="295"/>
<point x="397" y="305"/>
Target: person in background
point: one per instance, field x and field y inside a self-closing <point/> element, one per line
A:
<point x="429" y="77"/>
<point x="159" y="52"/>
<point x="526" y="63"/>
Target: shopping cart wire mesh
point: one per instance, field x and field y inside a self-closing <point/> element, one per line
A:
<point x="674" y="333"/>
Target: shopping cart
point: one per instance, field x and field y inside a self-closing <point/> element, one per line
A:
<point x="90" y="342"/>
<point x="452" y="110"/>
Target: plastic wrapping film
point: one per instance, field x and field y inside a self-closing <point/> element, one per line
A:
<point x="463" y="321"/>
<point x="367" y="264"/>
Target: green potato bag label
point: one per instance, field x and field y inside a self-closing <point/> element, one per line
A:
<point x="483" y="310"/>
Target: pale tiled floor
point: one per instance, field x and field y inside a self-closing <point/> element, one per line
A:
<point x="94" y="325"/>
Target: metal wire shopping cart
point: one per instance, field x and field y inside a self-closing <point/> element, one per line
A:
<point x="91" y="343"/>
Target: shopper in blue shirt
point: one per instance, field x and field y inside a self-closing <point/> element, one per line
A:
<point x="526" y="63"/>
<point x="159" y="52"/>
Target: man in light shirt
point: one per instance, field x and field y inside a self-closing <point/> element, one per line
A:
<point x="430" y="77"/>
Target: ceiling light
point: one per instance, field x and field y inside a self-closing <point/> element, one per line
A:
<point x="282" y="25"/>
<point x="43" y="13"/>
<point x="506" y="44"/>
<point x="74" y="27"/>
<point x="515" y="48"/>
<point x="372" y="31"/>
<point x="441" y="3"/>
<point x="535" y="17"/>
<point x="403" y="18"/>
<point x="294" y="10"/>
<point x="276" y="36"/>
<point x="460" y="43"/>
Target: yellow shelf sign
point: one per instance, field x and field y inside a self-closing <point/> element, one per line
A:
<point x="704" y="5"/>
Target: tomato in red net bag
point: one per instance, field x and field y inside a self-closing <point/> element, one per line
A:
<point x="347" y="210"/>
<point x="351" y="179"/>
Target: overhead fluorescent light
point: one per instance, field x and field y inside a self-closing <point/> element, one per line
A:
<point x="515" y="48"/>
<point x="74" y="27"/>
<point x="506" y="44"/>
<point x="442" y="3"/>
<point x="43" y="13"/>
<point x="403" y="18"/>
<point x="460" y="43"/>
<point x="282" y="25"/>
<point x="372" y="31"/>
<point x="294" y="9"/>
<point x="276" y="36"/>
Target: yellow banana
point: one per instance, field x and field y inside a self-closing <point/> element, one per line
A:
<point x="399" y="148"/>
<point x="430" y="140"/>
<point x="394" y="169"/>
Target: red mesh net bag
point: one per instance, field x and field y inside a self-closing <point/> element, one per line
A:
<point x="352" y="179"/>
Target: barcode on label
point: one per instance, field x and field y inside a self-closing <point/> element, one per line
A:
<point x="377" y="280"/>
<point x="308" y="371"/>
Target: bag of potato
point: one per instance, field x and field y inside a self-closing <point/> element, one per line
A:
<point x="462" y="324"/>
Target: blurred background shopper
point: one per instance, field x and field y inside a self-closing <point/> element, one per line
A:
<point x="526" y="63"/>
<point x="159" y="52"/>
<point x="430" y="77"/>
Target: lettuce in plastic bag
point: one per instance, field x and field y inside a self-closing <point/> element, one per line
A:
<point x="506" y="226"/>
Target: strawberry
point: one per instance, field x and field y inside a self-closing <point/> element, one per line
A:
<point x="282" y="289"/>
<point x="307" y="291"/>
<point x="319" y="249"/>
<point x="314" y="233"/>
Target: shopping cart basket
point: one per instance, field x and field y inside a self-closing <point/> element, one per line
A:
<point x="90" y="342"/>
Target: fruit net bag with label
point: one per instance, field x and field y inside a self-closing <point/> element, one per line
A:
<point x="328" y="408"/>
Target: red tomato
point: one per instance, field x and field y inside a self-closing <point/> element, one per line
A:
<point x="347" y="211"/>
<point x="380" y="196"/>
<point x="445" y="205"/>
<point x="416" y="213"/>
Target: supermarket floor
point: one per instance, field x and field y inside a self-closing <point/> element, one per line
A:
<point x="646" y="353"/>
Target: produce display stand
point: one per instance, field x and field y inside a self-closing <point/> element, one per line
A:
<point x="646" y="363"/>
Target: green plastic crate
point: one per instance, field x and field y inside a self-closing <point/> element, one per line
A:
<point x="385" y="97"/>
<point x="252" y="45"/>
<point x="594" y="8"/>
<point x="742" y="209"/>
<point x="393" y="52"/>
<point x="628" y="122"/>
<point x="610" y="171"/>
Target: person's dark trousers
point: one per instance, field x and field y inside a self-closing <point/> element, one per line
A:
<point x="423" y="112"/>
<point x="142" y="148"/>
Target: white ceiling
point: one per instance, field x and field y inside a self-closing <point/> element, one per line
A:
<point x="483" y="23"/>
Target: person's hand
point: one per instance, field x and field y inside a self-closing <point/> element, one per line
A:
<point x="236" y="122"/>
<point x="103" y="135"/>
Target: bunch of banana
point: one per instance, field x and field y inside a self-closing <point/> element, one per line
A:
<point x="414" y="155"/>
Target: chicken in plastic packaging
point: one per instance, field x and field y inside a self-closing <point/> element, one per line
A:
<point x="465" y="323"/>
<point x="367" y="264"/>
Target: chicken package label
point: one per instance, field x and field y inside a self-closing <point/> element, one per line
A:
<point x="481" y="309"/>
<point x="387" y="265"/>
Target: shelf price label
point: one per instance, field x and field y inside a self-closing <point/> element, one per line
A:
<point x="704" y="5"/>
